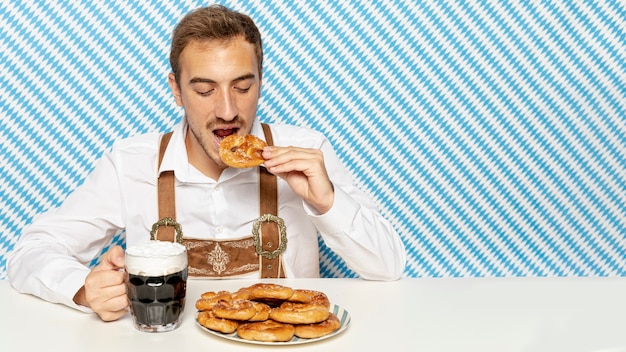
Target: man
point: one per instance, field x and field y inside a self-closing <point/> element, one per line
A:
<point x="216" y="60"/>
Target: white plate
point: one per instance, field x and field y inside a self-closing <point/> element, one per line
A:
<point x="342" y="314"/>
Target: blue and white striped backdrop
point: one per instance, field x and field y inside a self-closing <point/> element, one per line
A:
<point x="491" y="134"/>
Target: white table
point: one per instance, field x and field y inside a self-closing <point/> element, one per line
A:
<point x="469" y="314"/>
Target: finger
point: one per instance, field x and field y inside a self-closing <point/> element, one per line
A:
<point x="277" y="155"/>
<point x="113" y="309"/>
<point x="110" y="299"/>
<point x="289" y="159"/>
<point x="111" y="316"/>
<point x="288" y="166"/>
<point x="113" y="290"/>
<point x="311" y="167"/>
<point x="113" y="259"/>
<point x="98" y="280"/>
<point x="109" y="302"/>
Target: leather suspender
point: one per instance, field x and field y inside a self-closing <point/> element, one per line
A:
<point x="167" y="196"/>
<point x="270" y="241"/>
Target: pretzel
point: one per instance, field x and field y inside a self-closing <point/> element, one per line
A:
<point x="210" y="321"/>
<point x="311" y="331"/>
<point x="209" y="299"/>
<point x="299" y="313"/>
<point x="265" y="291"/>
<point x="262" y="311"/>
<point x="240" y="309"/>
<point x="310" y="296"/>
<point x="267" y="331"/>
<point x="242" y="151"/>
<point x="268" y="312"/>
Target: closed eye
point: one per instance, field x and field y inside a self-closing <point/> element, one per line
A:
<point x="242" y="90"/>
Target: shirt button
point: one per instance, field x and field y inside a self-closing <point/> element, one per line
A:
<point x="219" y="229"/>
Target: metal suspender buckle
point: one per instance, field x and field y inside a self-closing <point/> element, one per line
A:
<point x="167" y="222"/>
<point x="282" y="231"/>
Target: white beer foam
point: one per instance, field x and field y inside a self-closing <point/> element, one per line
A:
<point x="156" y="258"/>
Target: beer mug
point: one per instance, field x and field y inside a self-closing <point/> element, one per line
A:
<point x="156" y="284"/>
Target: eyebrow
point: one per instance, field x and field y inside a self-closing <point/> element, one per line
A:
<point x="208" y="80"/>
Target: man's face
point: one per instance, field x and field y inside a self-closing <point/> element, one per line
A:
<point x="219" y="90"/>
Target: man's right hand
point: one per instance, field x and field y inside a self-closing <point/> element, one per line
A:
<point x="104" y="290"/>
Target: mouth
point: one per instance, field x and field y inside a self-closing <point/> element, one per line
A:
<point x="222" y="133"/>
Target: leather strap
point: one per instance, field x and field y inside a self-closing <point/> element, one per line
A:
<point x="268" y="196"/>
<point x="166" y="194"/>
<point x="269" y="236"/>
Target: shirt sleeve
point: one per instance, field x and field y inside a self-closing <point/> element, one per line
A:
<point x="51" y="258"/>
<point x="355" y="230"/>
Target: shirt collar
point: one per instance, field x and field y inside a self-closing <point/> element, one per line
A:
<point x="176" y="159"/>
<point x="175" y="153"/>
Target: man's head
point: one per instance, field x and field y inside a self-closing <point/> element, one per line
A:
<point x="216" y="62"/>
<point x="210" y="23"/>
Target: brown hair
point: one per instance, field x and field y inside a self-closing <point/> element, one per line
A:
<point x="214" y="22"/>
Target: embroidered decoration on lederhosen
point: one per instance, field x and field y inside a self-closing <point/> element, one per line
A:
<point x="262" y="251"/>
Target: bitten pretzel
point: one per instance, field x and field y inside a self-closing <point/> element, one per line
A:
<point x="242" y="151"/>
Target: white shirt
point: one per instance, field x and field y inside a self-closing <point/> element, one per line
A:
<point x="51" y="257"/>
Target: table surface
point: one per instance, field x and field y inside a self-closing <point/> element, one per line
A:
<point x="423" y="314"/>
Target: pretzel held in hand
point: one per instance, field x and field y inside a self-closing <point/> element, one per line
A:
<point x="242" y="151"/>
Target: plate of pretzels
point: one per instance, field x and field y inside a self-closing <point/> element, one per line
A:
<point x="266" y="313"/>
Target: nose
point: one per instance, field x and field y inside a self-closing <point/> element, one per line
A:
<point x="226" y="107"/>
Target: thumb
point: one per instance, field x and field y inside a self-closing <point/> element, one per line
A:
<point x="113" y="259"/>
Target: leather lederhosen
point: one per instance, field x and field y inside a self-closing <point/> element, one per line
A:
<point x="261" y="251"/>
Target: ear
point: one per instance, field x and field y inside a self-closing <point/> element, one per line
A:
<point x="260" y="86"/>
<point x="171" y="80"/>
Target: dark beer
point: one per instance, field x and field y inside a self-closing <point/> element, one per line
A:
<point x="157" y="301"/>
<point x="156" y="284"/>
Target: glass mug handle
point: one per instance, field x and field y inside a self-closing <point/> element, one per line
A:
<point x="167" y="222"/>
